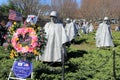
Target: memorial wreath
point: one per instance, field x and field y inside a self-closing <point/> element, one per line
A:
<point x="26" y="42"/>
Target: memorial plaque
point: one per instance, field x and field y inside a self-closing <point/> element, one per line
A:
<point x="22" y="69"/>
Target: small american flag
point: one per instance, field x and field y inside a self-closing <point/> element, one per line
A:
<point x="13" y="15"/>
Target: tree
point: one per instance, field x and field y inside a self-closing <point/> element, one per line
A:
<point x="99" y="8"/>
<point x="27" y="6"/>
<point x="4" y="9"/>
<point x="65" y="8"/>
<point x="31" y="7"/>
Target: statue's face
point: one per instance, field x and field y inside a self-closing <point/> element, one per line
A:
<point x="105" y="21"/>
<point x="68" y="21"/>
<point x="53" y="19"/>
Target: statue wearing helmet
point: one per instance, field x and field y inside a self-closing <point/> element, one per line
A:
<point x="70" y="29"/>
<point x="103" y="34"/>
<point x="56" y="36"/>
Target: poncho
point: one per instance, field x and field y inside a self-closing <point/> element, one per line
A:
<point x="103" y="36"/>
<point x="56" y="36"/>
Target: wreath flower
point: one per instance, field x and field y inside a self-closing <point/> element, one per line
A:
<point x="25" y="40"/>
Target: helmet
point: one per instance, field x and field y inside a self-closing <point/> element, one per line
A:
<point x="105" y="18"/>
<point x="53" y="14"/>
<point x="67" y="19"/>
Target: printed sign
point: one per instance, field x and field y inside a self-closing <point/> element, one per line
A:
<point x="32" y="19"/>
<point x="22" y="69"/>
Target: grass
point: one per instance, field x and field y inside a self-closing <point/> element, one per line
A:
<point x="84" y="62"/>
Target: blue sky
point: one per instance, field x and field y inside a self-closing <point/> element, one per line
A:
<point x="48" y="1"/>
<point x="44" y="1"/>
<point x="3" y="1"/>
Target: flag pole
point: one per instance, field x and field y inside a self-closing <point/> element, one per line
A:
<point x="39" y="12"/>
<point x="63" y="61"/>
